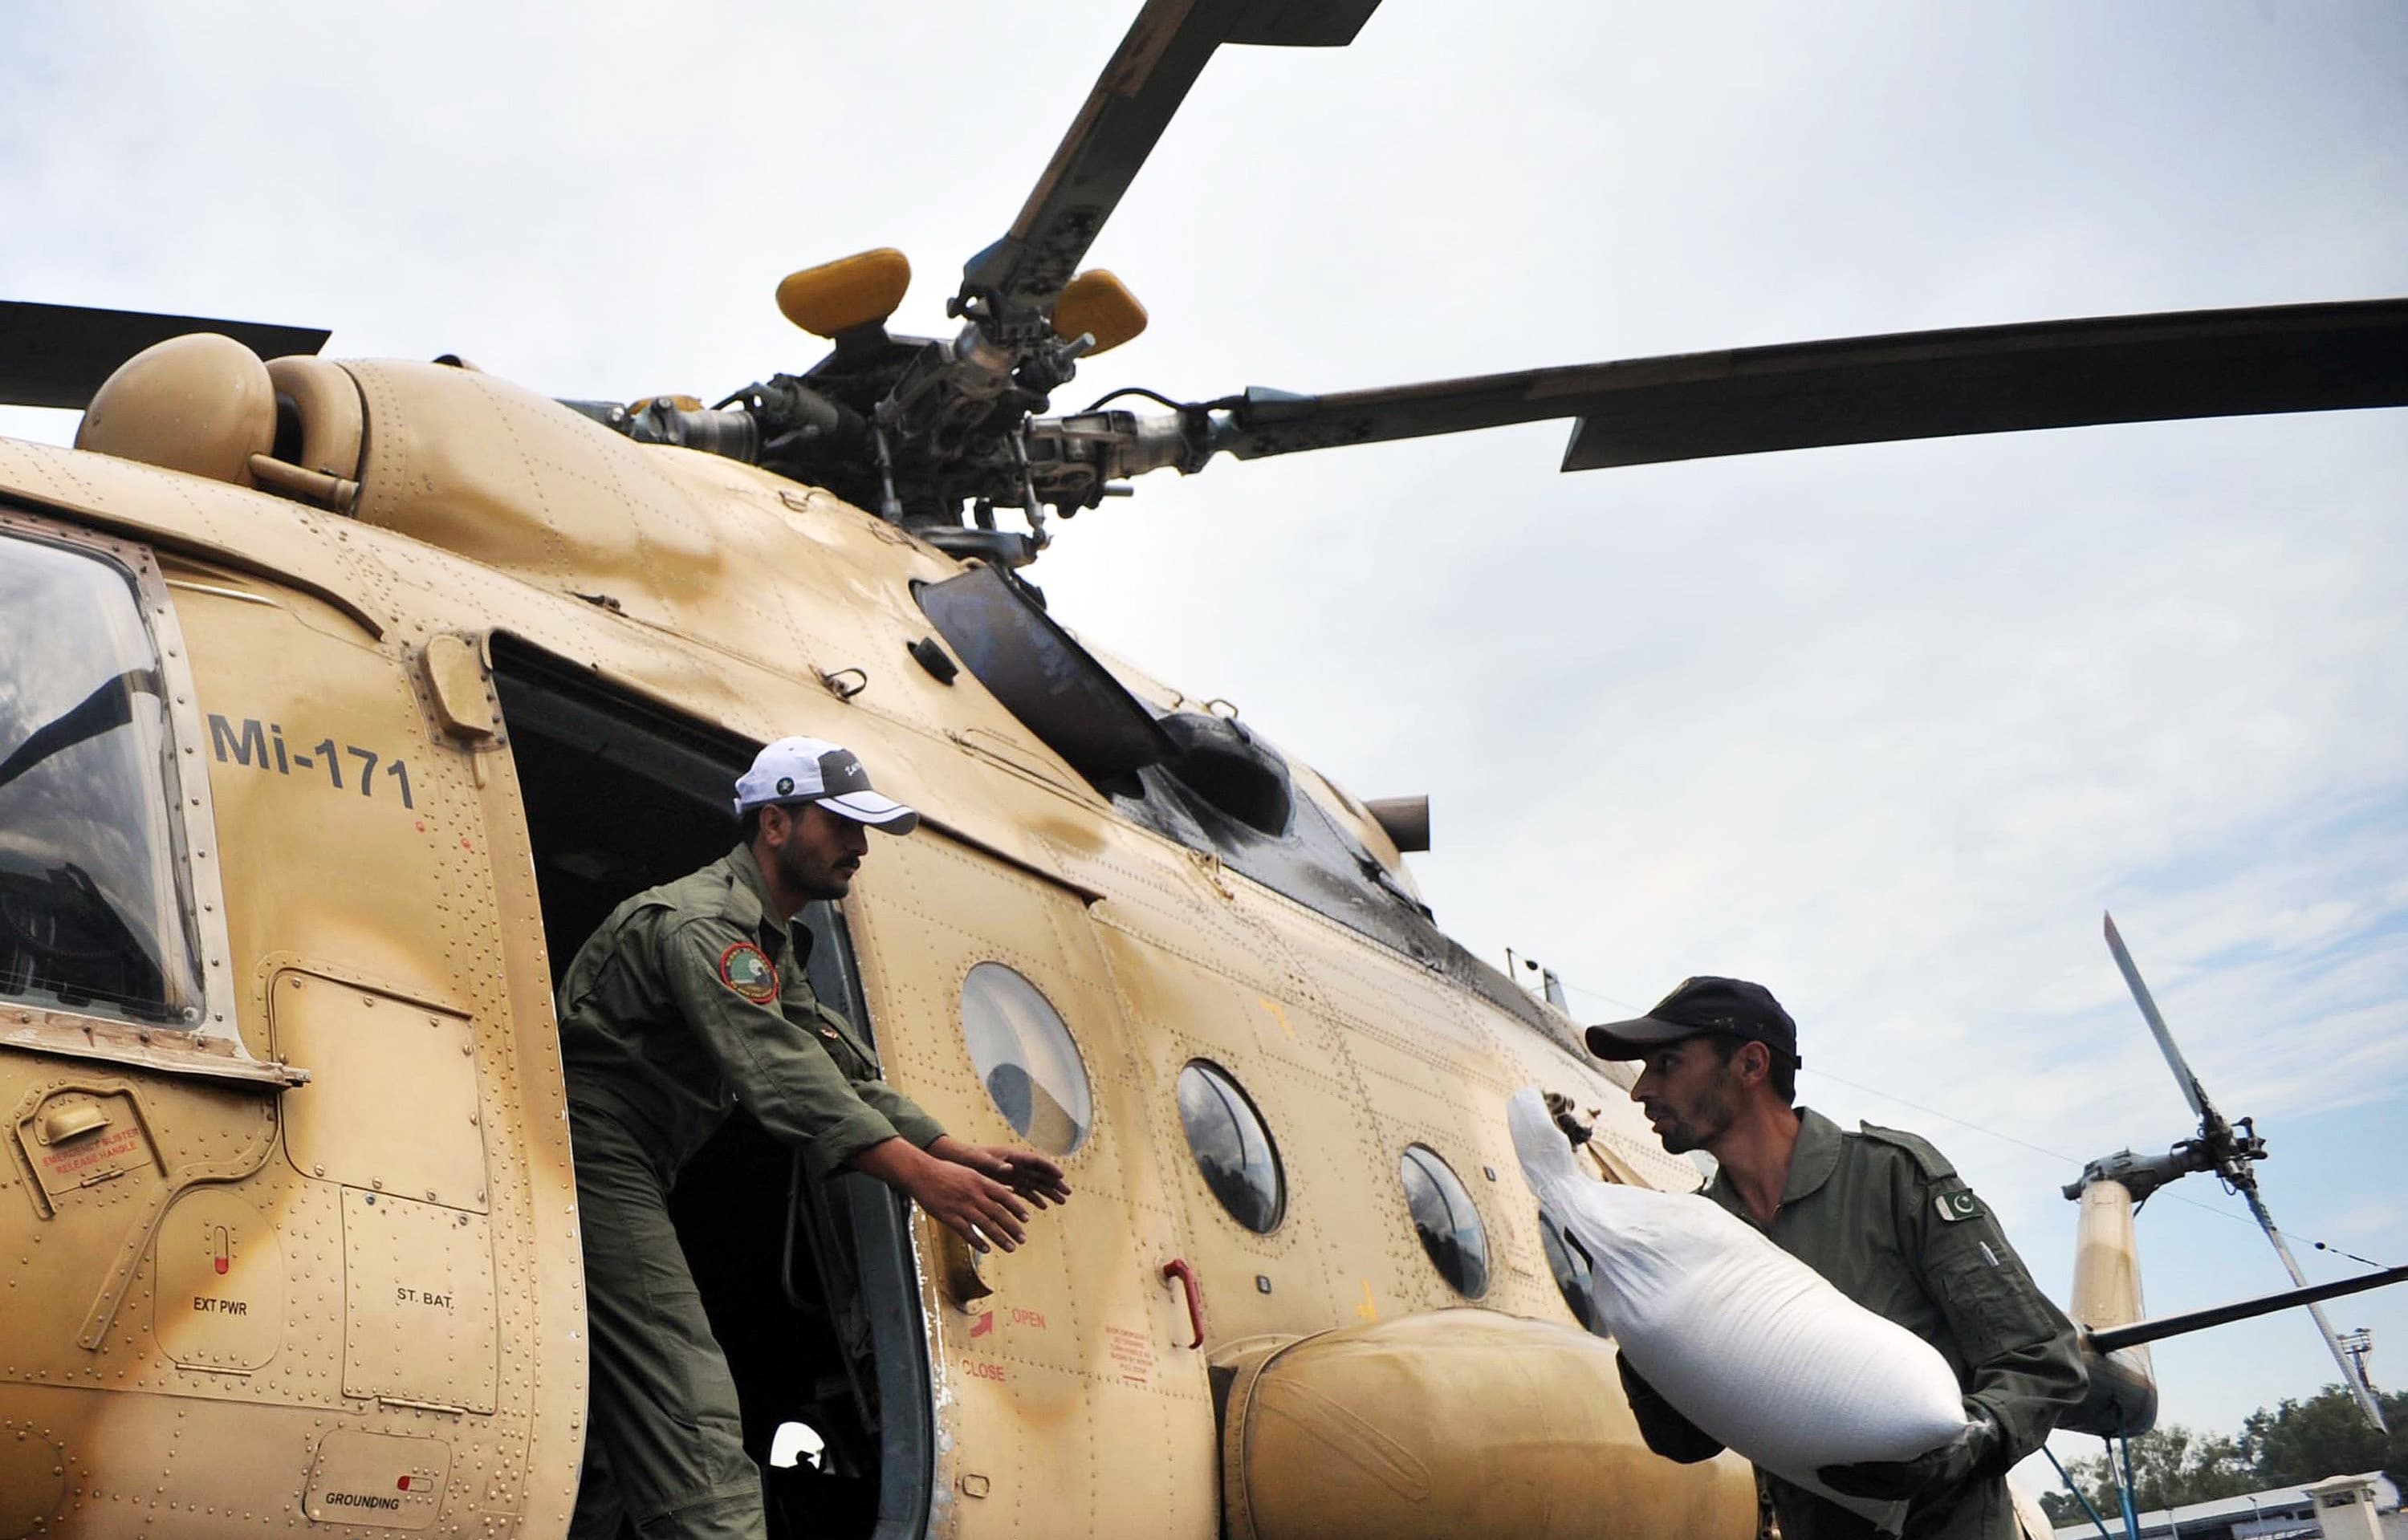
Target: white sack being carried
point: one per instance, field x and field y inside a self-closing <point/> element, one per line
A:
<point x="1744" y="1340"/>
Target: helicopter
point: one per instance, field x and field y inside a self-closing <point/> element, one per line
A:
<point x="451" y="642"/>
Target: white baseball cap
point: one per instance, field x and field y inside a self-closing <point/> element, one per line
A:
<point x="814" y="770"/>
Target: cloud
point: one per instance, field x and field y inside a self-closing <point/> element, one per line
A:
<point x="2370" y="1216"/>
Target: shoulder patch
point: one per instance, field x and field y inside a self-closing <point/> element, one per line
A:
<point x="1959" y="1204"/>
<point x="1933" y="1164"/>
<point x="747" y="969"/>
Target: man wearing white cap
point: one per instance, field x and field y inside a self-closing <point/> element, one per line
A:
<point x="690" y="1000"/>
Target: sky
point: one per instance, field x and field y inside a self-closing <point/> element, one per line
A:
<point x="1883" y="727"/>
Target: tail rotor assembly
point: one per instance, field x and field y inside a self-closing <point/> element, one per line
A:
<point x="2230" y="1148"/>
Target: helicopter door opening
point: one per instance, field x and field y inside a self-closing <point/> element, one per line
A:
<point x="809" y="1286"/>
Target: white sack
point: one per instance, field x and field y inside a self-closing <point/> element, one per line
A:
<point x="1744" y="1340"/>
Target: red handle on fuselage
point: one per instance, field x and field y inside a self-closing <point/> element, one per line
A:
<point x="1177" y="1268"/>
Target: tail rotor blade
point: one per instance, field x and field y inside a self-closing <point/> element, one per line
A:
<point x="2366" y="1402"/>
<point x="2192" y="1090"/>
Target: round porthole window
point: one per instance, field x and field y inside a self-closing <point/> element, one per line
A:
<point x="1231" y="1147"/>
<point x="1025" y="1059"/>
<point x="1572" y="1274"/>
<point x="1450" y="1227"/>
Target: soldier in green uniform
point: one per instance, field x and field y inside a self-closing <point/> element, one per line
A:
<point x="689" y="1001"/>
<point x="1885" y="1218"/>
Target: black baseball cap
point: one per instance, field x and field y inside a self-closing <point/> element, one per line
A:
<point x="1732" y="1007"/>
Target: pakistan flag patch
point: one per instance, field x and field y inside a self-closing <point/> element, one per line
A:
<point x="1960" y="1204"/>
<point x="746" y="969"/>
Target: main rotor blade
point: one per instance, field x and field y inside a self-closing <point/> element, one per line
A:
<point x="2366" y="1402"/>
<point x="2053" y="373"/>
<point x="2193" y="1092"/>
<point x="1125" y="115"/>
<point x="57" y="355"/>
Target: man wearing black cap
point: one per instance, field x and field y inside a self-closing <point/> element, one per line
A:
<point x="1885" y="1218"/>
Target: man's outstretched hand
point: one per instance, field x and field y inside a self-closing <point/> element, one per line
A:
<point x="964" y="1200"/>
<point x="974" y="1190"/>
<point x="1026" y="1173"/>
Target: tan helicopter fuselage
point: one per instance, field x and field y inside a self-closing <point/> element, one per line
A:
<point x="233" y="1300"/>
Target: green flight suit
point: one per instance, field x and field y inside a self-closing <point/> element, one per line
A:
<point x="1885" y="1218"/>
<point x="690" y="1000"/>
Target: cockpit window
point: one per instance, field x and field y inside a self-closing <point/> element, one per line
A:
<point x="91" y="917"/>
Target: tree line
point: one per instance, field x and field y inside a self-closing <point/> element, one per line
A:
<point x="2295" y="1444"/>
